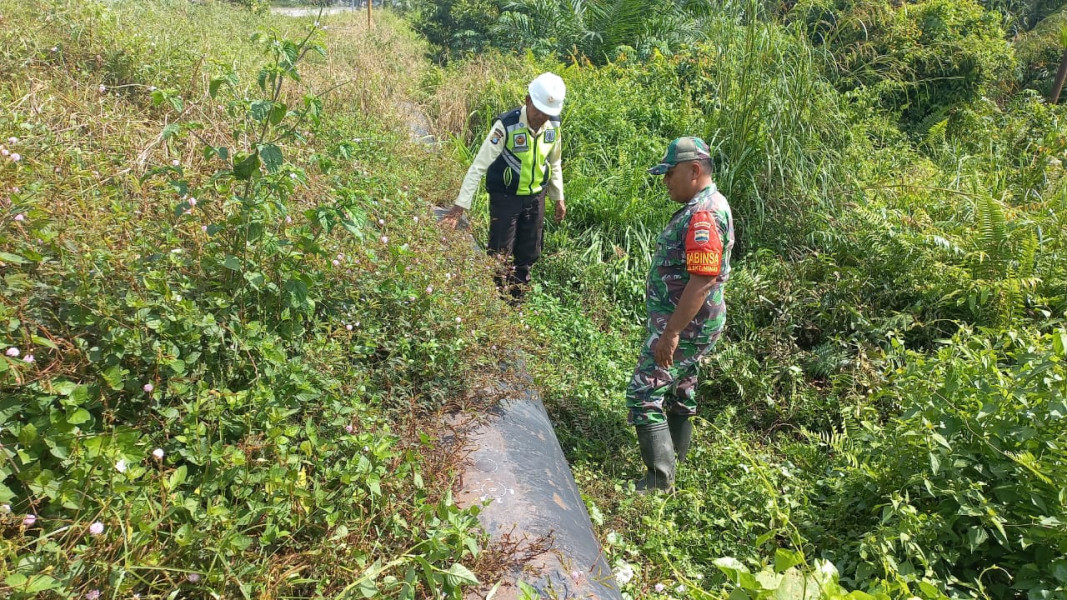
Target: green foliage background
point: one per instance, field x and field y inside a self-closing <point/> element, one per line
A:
<point x="218" y="243"/>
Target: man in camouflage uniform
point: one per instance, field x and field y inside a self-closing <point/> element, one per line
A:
<point x="686" y="312"/>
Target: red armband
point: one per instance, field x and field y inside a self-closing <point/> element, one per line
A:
<point x="703" y="247"/>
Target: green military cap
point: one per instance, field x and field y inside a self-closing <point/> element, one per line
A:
<point x="681" y="150"/>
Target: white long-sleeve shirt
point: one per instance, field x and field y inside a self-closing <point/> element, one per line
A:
<point x="489" y="152"/>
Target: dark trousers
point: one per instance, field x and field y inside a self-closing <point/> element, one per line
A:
<point x="515" y="227"/>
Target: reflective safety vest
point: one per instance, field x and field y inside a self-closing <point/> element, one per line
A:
<point x="522" y="168"/>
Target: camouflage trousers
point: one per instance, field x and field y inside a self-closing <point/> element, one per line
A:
<point x="654" y="391"/>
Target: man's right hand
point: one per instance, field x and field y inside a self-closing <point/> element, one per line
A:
<point x="451" y="218"/>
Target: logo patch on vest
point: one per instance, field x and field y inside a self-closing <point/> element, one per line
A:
<point x="550" y="136"/>
<point x="521" y="143"/>
<point x="497" y="134"/>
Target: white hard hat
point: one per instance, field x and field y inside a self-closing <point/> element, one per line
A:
<point x="546" y="92"/>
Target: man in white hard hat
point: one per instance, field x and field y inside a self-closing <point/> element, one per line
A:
<point x="520" y="160"/>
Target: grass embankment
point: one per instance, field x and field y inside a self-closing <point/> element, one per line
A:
<point x="888" y="396"/>
<point x="230" y="323"/>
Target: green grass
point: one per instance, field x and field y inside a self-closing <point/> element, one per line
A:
<point x="892" y="371"/>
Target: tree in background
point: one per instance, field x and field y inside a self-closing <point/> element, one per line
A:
<point x="1061" y="74"/>
<point x="599" y="29"/>
<point x="921" y="58"/>
<point x="1023" y="15"/>
<point x="594" y="29"/>
<point x="456" y="27"/>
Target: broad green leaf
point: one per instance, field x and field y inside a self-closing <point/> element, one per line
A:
<point x="368" y="589"/>
<point x="115" y="376"/>
<point x="79" y="416"/>
<point x="785" y="559"/>
<point x="929" y="590"/>
<point x="213" y="87"/>
<point x="460" y="575"/>
<point x="170" y="130"/>
<point x="245" y="167"/>
<point x="272" y="157"/>
<point x="43" y="341"/>
<point x="12" y="258"/>
<point x="177" y="477"/>
<point x="34" y="584"/>
<point x="277" y="113"/>
<point x="260" y="109"/>
<point x="232" y="263"/>
<point x="63" y="387"/>
<point x="1059" y="342"/>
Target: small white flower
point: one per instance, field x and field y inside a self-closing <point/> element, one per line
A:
<point x="292" y="176"/>
<point x="659" y="587"/>
<point x="366" y="448"/>
<point x="102" y="88"/>
<point x="411" y="298"/>
<point x="12" y="140"/>
<point x="29" y="520"/>
<point x="349" y="428"/>
<point x="20" y="217"/>
<point x="288" y="219"/>
<point x="340" y="256"/>
<point x="148" y="387"/>
<point x="203" y="228"/>
<point x="680" y="589"/>
<point x="429" y="289"/>
<point x="623" y="574"/>
<point x="15" y="157"/>
<point x="55" y="49"/>
<point x="356" y="323"/>
<point x="416" y="219"/>
<point x="459" y="320"/>
<point x="193" y="577"/>
<point x="12" y="352"/>
<point x="120" y="466"/>
<point x="4" y="152"/>
<point x="92" y="595"/>
<point x="5" y="508"/>
<point x="576" y="575"/>
<point x="448" y="276"/>
<point x="157" y="454"/>
<point x="151" y="88"/>
<point x="348" y="327"/>
<point x="96" y="528"/>
<point x="175" y="162"/>
<point x="336" y="263"/>
<point x="28" y="359"/>
<point x="385" y="239"/>
<point x="381" y="221"/>
<point x="192" y="201"/>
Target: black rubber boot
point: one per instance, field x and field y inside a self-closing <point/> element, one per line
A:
<point x="657" y="452"/>
<point x="681" y="427"/>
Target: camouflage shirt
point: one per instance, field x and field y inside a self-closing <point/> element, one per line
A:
<point x="697" y="240"/>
